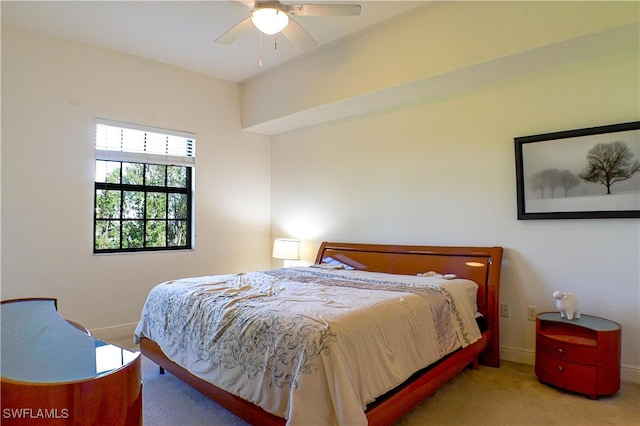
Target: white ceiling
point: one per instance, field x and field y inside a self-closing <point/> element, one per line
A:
<point x="181" y="33"/>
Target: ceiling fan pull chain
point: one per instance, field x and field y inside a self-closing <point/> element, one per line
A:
<point x="260" y="60"/>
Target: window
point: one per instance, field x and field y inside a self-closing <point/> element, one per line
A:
<point x="143" y="188"/>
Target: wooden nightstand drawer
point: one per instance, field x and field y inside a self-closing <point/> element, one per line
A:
<point x="575" y="377"/>
<point x="567" y="351"/>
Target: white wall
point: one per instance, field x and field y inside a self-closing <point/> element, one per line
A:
<point x="51" y="92"/>
<point x="442" y="171"/>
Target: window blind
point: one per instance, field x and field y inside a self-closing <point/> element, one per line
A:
<point x="132" y="142"/>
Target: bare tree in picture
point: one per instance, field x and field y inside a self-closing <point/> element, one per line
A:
<point x="608" y="163"/>
<point x="552" y="179"/>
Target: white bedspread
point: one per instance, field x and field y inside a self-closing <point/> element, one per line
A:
<point x="312" y="346"/>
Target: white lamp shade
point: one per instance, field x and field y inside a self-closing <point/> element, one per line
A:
<point x="287" y="249"/>
<point x="269" y="20"/>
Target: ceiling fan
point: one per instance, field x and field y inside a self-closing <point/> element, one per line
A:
<point x="272" y="17"/>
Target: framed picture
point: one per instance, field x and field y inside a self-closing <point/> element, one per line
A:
<point x="587" y="173"/>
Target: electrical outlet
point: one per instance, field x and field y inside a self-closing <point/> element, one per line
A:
<point x="532" y="312"/>
<point x="504" y="310"/>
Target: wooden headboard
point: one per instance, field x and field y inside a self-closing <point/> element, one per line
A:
<point x="479" y="264"/>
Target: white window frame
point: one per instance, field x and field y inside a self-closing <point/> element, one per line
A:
<point x="110" y="152"/>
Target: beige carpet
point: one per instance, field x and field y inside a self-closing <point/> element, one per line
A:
<point x="510" y="395"/>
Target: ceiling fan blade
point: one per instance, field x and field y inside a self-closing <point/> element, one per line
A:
<point x="236" y="32"/>
<point x="325" y="9"/>
<point x="299" y="36"/>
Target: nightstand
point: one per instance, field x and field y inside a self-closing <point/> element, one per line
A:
<point x="578" y="355"/>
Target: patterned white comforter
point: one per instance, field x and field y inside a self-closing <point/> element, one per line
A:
<point x="312" y="346"/>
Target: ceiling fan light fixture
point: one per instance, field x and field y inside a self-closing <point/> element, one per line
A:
<point x="269" y="20"/>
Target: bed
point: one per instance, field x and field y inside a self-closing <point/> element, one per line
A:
<point x="313" y="365"/>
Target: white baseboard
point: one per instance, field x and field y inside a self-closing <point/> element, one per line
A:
<point x="521" y="356"/>
<point x="630" y="374"/>
<point x="117" y="333"/>
<point x="627" y="373"/>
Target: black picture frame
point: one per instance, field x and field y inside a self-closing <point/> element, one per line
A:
<point x="551" y="184"/>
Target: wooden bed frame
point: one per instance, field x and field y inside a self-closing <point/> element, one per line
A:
<point x="480" y="264"/>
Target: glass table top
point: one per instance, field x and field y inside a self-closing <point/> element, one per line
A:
<point x="39" y="345"/>
<point x="587" y="321"/>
